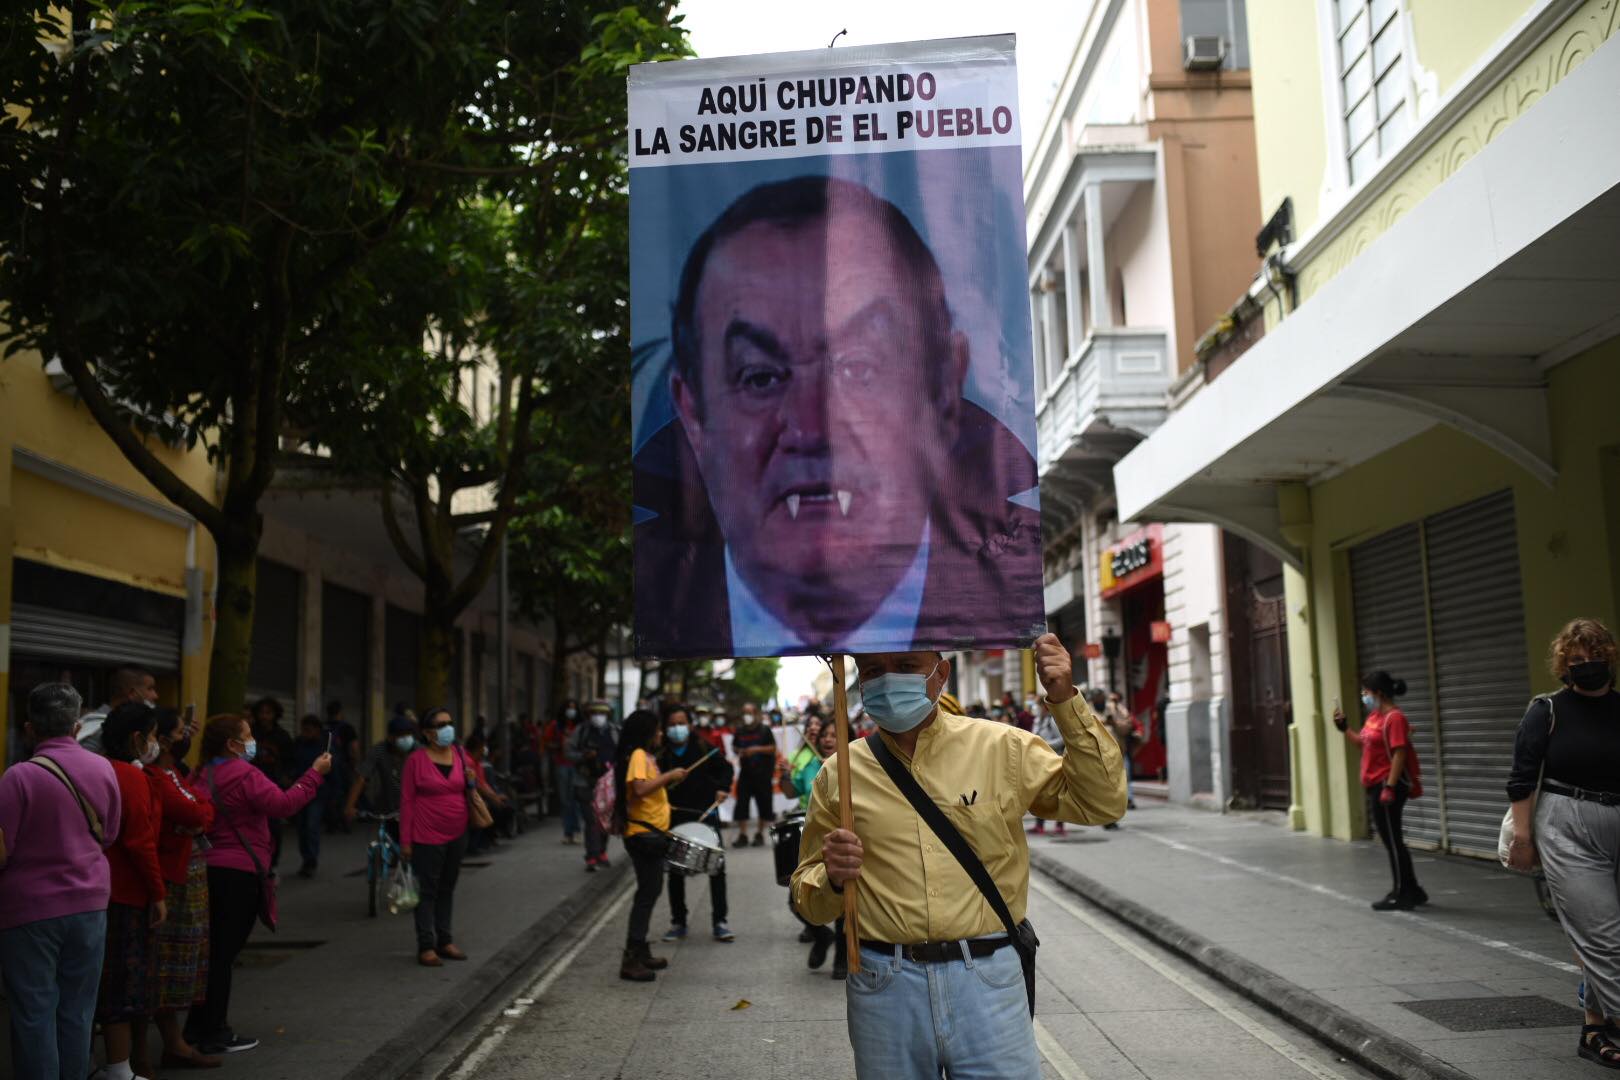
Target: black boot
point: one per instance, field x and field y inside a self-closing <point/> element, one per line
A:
<point x="648" y="960"/>
<point x="632" y="968"/>
<point x="823" y="941"/>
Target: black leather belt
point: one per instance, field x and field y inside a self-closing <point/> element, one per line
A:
<point x="939" y="952"/>
<point x="1605" y="798"/>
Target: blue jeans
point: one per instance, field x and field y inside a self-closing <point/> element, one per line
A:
<point x="52" y="970"/>
<point x="966" y="1019"/>
<point x="565" y="796"/>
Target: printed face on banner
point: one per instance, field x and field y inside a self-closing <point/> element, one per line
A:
<point x="833" y="407"/>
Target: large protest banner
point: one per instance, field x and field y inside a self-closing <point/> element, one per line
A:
<point x="833" y="407"/>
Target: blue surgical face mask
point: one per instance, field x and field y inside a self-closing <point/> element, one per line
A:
<point x="678" y="734"/>
<point x="897" y="703"/>
<point x="445" y="735"/>
<point x="1369" y="701"/>
<point x="405" y="743"/>
<point x="250" y="750"/>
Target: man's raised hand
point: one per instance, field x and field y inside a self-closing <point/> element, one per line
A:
<point x="1055" y="668"/>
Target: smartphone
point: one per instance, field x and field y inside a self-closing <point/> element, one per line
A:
<point x="188" y="718"/>
<point x="328" y="742"/>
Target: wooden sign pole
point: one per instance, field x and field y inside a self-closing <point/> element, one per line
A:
<point x="846" y="810"/>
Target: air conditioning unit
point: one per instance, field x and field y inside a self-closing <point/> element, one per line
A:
<point x="1204" y="52"/>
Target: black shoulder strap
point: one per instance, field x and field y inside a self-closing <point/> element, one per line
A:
<point x="219" y="808"/>
<point x="91" y="818"/>
<point x="937" y="821"/>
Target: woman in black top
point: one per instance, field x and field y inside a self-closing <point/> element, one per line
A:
<point x="1571" y="740"/>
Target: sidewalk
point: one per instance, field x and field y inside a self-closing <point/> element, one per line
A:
<point x="1478" y="984"/>
<point x="336" y="994"/>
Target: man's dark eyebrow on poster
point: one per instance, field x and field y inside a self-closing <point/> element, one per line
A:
<point x="874" y="324"/>
<point x="789" y="204"/>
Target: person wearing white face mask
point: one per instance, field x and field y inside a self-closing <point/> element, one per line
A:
<point x="925" y="926"/>
<point x="128" y="998"/>
<point x="590" y="750"/>
<point x="381" y="774"/>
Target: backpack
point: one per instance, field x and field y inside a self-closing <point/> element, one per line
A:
<point x="602" y="799"/>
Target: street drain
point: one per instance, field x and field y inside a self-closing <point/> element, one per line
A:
<point x="1494" y="1013"/>
<point x="268" y="954"/>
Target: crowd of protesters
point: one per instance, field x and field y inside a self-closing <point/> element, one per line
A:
<point x="133" y="868"/>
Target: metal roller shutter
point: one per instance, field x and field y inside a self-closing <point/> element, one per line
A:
<point x="1386" y="581"/>
<point x="66" y="635"/>
<point x="1481" y="664"/>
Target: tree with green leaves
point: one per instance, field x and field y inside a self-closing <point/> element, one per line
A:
<point x="199" y="201"/>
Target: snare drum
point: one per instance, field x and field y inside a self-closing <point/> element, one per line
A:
<point x="785" y="836"/>
<point x="695" y="848"/>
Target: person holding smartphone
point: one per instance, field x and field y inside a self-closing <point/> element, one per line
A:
<point x="1389" y="777"/>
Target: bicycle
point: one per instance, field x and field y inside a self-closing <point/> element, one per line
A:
<point x="382" y="855"/>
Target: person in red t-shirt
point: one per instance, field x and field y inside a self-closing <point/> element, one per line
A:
<point x="1389" y="775"/>
<point x="129" y="970"/>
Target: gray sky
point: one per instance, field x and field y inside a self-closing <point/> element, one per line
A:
<point x="1046" y="29"/>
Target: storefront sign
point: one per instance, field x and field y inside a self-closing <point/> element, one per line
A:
<point x="1134" y="560"/>
<point x="1093" y="650"/>
<point x="1160" y="632"/>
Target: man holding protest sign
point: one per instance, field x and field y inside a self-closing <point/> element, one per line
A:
<point x="928" y="933"/>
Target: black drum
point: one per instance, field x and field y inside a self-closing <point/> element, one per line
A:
<point x="785" y="844"/>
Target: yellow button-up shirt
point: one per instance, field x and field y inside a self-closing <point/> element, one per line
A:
<point x="911" y="887"/>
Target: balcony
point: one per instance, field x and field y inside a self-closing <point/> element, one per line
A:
<point x="1110" y="394"/>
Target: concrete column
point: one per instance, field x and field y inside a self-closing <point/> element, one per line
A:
<point x="1102" y="311"/>
<point x="1071" y="287"/>
<point x="309" y="638"/>
<point x="1055" y="357"/>
<point x="1037" y="346"/>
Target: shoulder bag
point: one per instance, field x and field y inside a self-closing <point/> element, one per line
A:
<point x="1022" y="934"/>
<point x="268" y="911"/>
<point x="1504" y="838"/>
<point x="478" y="815"/>
<point x="1414" y="770"/>
<point x="91" y="818"/>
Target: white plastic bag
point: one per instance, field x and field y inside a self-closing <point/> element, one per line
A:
<point x="402" y="894"/>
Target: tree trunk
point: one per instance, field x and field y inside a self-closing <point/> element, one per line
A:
<point x="233" y="620"/>
<point x="434" y="685"/>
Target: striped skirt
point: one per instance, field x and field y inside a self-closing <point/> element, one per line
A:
<point x="182" y="957"/>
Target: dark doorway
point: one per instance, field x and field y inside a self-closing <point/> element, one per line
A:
<point x="1258" y="644"/>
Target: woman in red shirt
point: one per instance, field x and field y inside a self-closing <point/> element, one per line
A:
<point x="433" y="832"/>
<point x="1389" y="776"/>
<point x="182" y="940"/>
<point x="129" y="970"/>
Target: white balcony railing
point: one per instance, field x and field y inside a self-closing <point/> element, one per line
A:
<point x="1116" y="381"/>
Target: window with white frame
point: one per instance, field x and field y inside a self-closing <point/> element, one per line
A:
<point x="1372" y="76"/>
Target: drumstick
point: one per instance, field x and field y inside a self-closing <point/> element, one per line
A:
<point x="690" y="768"/>
<point x="846" y="809"/>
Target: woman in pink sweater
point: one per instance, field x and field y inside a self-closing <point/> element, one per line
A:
<point x="433" y="832"/>
<point x="245" y="800"/>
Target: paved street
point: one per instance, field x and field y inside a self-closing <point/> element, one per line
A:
<point x="1110" y="1007"/>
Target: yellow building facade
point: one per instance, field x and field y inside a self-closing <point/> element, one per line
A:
<point x="101" y="569"/>
<point x="1427" y="432"/>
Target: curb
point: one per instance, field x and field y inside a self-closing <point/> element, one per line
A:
<point x="1368" y="1046"/>
<point x="397" y="1056"/>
